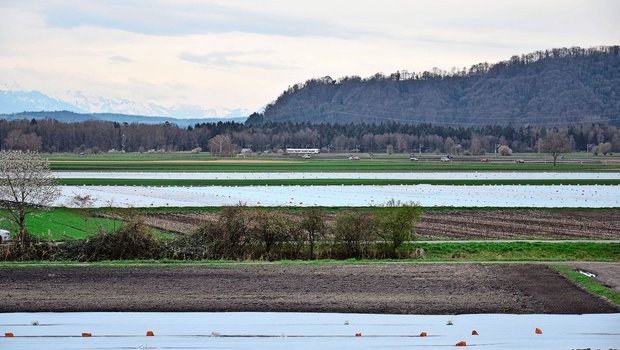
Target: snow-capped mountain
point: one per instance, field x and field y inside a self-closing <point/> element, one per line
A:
<point x="20" y="101"/>
<point x="75" y="101"/>
<point x="98" y="104"/>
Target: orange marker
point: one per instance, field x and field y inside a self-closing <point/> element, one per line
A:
<point x="474" y="332"/>
<point x="358" y="334"/>
<point x="9" y="335"/>
<point x="85" y="334"/>
<point x="538" y="331"/>
<point x="423" y="334"/>
<point x="461" y="343"/>
<point x="150" y="334"/>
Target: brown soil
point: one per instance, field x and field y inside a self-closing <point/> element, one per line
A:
<point x="520" y="224"/>
<point x="376" y="288"/>
<point x="608" y="274"/>
<point x="463" y="224"/>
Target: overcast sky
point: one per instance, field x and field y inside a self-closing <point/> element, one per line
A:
<point x="232" y="53"/>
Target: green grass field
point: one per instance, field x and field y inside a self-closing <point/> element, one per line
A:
<point x="317" y="166"/>
<point x="58" y="224"/>
<point x="322" y="182"/>
<point x="134" y="156"/>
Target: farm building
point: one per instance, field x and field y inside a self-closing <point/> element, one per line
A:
<point x="302" y="150"/>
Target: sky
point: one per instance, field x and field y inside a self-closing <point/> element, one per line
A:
<point x="243" y="54"/>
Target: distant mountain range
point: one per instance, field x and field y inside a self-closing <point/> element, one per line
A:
<point x="72" y="117"/>
<point x="19" y="101"/>
<point x="19" y="104"/>
<point x="552" y="87"/>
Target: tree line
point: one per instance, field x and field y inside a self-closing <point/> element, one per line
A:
<point x="226" y="139"/>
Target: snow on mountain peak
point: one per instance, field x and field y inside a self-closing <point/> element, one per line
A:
<point x="97" y="104"/>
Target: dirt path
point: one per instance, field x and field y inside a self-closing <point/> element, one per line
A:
<point x="376" y="288"/>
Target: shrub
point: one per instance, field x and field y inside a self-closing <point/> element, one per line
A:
<point x="197" y="245"/>
<point x="352" y="233"/>
<point x="32" y="248"/>
<point x="314" y="227"/>
<point x="133" y="240"/>
<point x="270" y="230"/>
<point x="229" y="237"/>
<point x="234" y="236"/>
<point x="395" y="225"/>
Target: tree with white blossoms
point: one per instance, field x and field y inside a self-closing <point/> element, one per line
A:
<point x="26" y="185"/>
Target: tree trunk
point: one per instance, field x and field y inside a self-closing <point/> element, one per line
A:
<point x="311" y="253"/>
<point x="22" y="228"/>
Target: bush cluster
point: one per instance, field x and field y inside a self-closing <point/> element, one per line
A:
<point x="240" y="233"/>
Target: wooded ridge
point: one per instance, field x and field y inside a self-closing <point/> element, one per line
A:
<point x="552" y="87"/>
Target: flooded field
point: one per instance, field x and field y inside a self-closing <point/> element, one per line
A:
<point x="305" y="331"/>
<point x="561" y="196"/>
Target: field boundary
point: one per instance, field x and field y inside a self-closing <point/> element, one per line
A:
<point x="587" y="283"/>
<point x="327" y="262"/>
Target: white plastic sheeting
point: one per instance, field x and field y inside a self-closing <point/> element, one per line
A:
<point x="301" y="331"/>
<point x="591" y="196"/>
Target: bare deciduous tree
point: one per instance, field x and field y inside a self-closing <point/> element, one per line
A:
<point x="504" y="150"/>
<point x="555" y="144"/>
<point x="221" y="145"/>
<point x="17" y="140"/>
<point x="83" y="202"/>
<point x="26" y="184"/>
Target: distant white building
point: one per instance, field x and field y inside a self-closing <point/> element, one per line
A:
<point x="303" y="150"/>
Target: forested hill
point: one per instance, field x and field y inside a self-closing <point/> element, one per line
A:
<point x="557" y="86"/>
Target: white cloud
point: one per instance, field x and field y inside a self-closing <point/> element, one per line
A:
<point x="236" y="53"/>
<point x="120" y="59"/>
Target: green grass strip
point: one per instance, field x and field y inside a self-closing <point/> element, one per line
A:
<point x="319" y="166"/>
<point x="588" y="283"/>
<point x="519" y="251"/>
<point x="324" y="182"/>
<point x="442" y="252"/>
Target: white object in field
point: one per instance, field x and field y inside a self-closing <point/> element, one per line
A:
<point x="505" y="196"/>
<point x="586" y="273"/>
<point x="5" y="235"/>
<point x="305" y="331"/>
